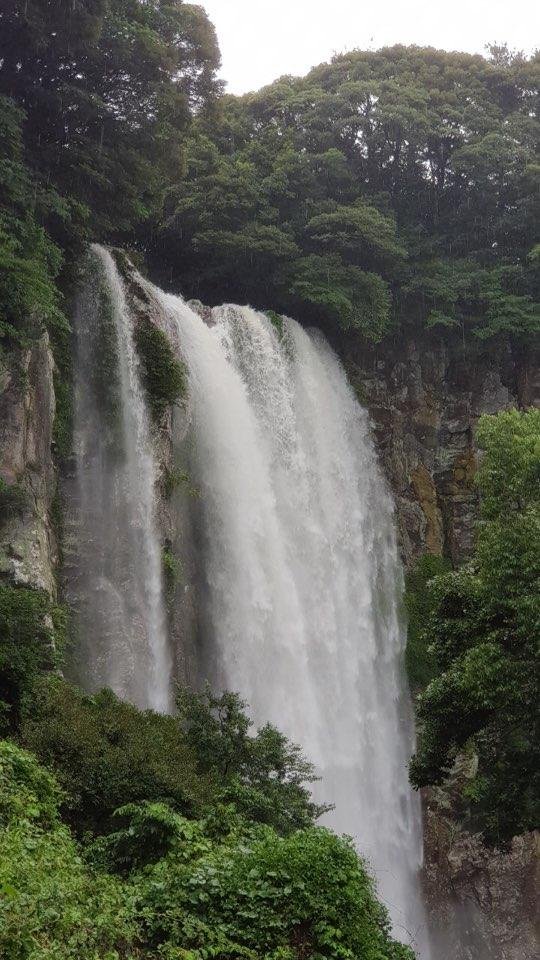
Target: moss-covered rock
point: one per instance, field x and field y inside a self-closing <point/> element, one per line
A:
<point x="164" y="376"/>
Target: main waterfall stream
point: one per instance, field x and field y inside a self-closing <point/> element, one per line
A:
<point x="299" y="578"/>
<point x="302" y="578"/>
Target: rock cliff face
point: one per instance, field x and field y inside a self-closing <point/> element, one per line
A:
<point x="483" y="903"/>
<point x="28" y="549"/>
<point x="425" y="395"/>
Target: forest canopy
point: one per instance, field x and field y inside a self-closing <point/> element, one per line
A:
<point x="387" y="188"/>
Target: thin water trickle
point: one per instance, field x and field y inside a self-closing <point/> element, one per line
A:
<point x="114" y="570"/>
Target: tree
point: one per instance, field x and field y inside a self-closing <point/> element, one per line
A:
<point x="108" y="88"/>
<point x="484" y="630"/>
<point x="264" y="776"/>
<point x="412" y="172"/>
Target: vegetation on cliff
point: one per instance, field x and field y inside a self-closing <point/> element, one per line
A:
<point x="483" y="631"/>
<point x="136" y="835"/>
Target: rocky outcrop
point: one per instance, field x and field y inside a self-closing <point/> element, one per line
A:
<point x="483" y="903"/>
<point x="28" y="549"/>
<point x="425" y="395"/>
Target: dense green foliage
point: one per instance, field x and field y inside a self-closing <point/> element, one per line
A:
<point x="163" y="375"/>
<point x="106" y="754"/>
<point x="52" y="906"/>
<point x="96" y="99"/>
<point x="31" y="636"/>
<point x="484" y="630"/>
<point x="181" y="892"/>
<point x="263" y="896"/>
<point x="264" y="776"/>
<point x="184" y="840"/>
<point x="419" y="657"/>
<point x="107" y="87"/>
<point x="389" y="187"/>
<point x="29" y="259"/>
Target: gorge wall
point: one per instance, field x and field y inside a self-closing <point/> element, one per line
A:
<point x="28" y="547"/>
<point x="425" y="394"/>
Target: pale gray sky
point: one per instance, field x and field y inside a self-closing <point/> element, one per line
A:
<point x="263" y="39"/>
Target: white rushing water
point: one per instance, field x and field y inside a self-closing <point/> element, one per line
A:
<point x="302" y="579"/>
<point x="115" y="570"/>
<point x="299" y="574"/>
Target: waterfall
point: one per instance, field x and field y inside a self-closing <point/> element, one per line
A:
<point x="301" y="580"/>
<point x="114" y="567"/>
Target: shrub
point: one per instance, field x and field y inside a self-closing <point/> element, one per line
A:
<point x="31" y="634"/>
<point x="264" y="776"/>
<point x="106" y="753"/>
<point x="52" y="906"/>
<point x="419" y="658"/>
<point x="264" y="896"/>
<point x="163" y="375"/>
<point x="483" y="626"/>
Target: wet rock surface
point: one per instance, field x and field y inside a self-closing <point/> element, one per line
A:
<point x="28" y="550"/>
<point x="483" y="902"/>
<point x="425" y="396"/>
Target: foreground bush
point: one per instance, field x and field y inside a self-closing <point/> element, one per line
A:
<point x="306" y="895"/>
<point x="106" y="753"/>
<point x="180" y="892"/>
<point x="52" y="906"/>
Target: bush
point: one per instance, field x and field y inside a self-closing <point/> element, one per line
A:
<point x="52" y="906"/>
<point x="106" y="753"/>
<point x="163" y="375"/>
<point x="419" y="658"/>
<point x="483" y="627"/>
<point x="265" y="897"/>
<point x="31" y="635"/>
<point x="265" y="776"/>
<point x="183" y="894"/>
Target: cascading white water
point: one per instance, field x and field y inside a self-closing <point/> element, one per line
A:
<point x="301" y="579"/>
<point x="302" y="576"/>
<point x="115" y="569"/>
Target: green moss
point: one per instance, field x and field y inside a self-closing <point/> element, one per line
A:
<point x="276" y="320"/>
<point x="63" y="419"/>
<point x="62" y="349"/>
<point x="175" y="478"/>
<point x="359" y="389"/>
<point x="172" y="568"/>
<point x="164" y="376"/>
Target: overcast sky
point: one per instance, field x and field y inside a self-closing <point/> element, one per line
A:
<point x="263" y="39"/>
